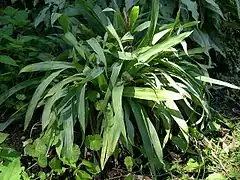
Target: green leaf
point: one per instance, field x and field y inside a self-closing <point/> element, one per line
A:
<point x="127" y="37"/>
<point x="114" y="125"/>
<point x="18" y="87"/>
<point x="217" y="82"/>
<point x="216" y="176"/>
<point x="73" y="41"/>
<point x="213" y="126"/>
<point x="7" y="60"/>
<point x="63" y="20"/>
<point x="94" y="142"/>
<point x="25" y="176"/>
<point x="98" y="49"/>
<point x="42" y="161"/>
<point x="46" y="115"/>
<point x="237" y="2"/>
<point x="159" y="35"/>
<point x="36" y="97"/>
<point x="58" y="87"/>
<point x="55" y="165"/>
<point x="41" y="16"/>
<point x="149" y="137"/>
<point x="12" y="171"/>
<point x="178" y="118"/>
<point x="212" y="5"/>
<point x="93" y="74"/>
<point x="54" y="17"/>
<point x="192" y="165"/>
<point x="82" y="175"/>
<point x="46" y="66"/>
<point x="29" y="150"/>
<point x="67" y="118"/>
<point x="71" y="161"/>
<point x="40" y="147"/>
<point x="142" y="26"/>
<point x="3" y="137"/>
<point x="42" y="175"/>
<point x="193" y="7"/>
<point x="113" y="32"/>
<point x="82" y="109"/>
<point x="180" y="143"/>
<point x="165" y="45"/>
<point x="133" y="16"/>
<point x="116" y="68"/>
<point x="128" y="161"/>
<point x="154" y="19"/>
<point x="127" y="56"/>
<point x="117" y="93"/>
<point x="151" y="94"/>
<point x="91" y="167"/>
<point x="108" y="133"/>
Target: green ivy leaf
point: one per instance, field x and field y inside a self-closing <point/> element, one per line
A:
<point x="94" y="142"/>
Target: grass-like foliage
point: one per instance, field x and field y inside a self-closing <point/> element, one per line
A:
<point x="121" y="75"/>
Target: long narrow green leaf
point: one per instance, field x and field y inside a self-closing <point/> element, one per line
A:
<point x="215" y="81"/>
<point x="7" y="60"/>
<point x="118" y="110"/>
<point x="113" y="32"/>
<point x="177" y="116"/>
<point x="94" y="73"/>
<point x="151" y="94"/>
<point x="82" y="109"/>
<point x="46" y="66"/>
<point x="154" y="19"/>
<point x="237" y="2"/>
<point x="18" y="87"/>
<point x="155" y="141"/>
<point x="48" y="107"/>
<point x="68" y="130"/>
<point x="158" y="48"/>
<point x="159" y="35"/>
<point x="65" y="101"/>
<point x="62" y="83"/>
<point x="145" y="134"/>
<point x="108" y="136"/>
<point x="142" y="26"/>
<point x="73" y="41"/>
<point x="133" y="16"/>
<point x="212" y="5"/>
<point x="166" y="118"/>
<point x="113" y="79"/>
<point x="36" y="97"/>
<point x="129" y="125"/>
<point x="98" y="49"/>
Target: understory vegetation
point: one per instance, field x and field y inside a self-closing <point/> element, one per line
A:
<point x="119" y="89"/>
